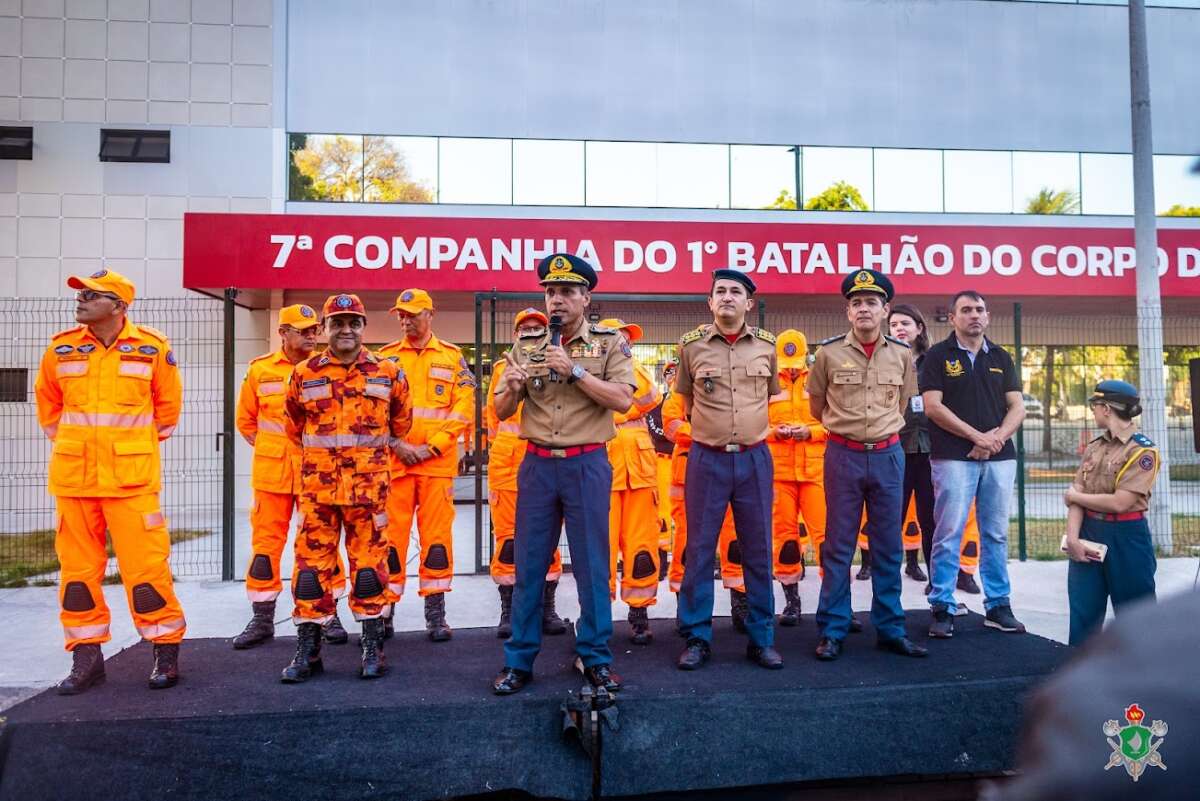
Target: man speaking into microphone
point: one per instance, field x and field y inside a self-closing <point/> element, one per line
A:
<point x="570" y="385"/>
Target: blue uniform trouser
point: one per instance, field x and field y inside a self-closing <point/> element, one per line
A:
<point x="853" y="478"/>
<point x="1126" y="574"/>
<point x="550" y="490"/>
<point x="714" y="482"/>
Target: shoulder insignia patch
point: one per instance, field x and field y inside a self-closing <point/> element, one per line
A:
<point x="695" y="335"/>
<point x="1143" y="440"/>
<point x="764" y="335"/>
<point x="154" y="332"/>
<point x="895" y="341"/>
<point x="73" y="329"/>
<point x="1146" y="462"/>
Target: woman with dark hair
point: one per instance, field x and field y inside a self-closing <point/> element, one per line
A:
<point x="907" y="324"/>
<point x="1108" y="541"/>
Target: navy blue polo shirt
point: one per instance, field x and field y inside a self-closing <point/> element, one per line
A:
<point x="972" y="389"/>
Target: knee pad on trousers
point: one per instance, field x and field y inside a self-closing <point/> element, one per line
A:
<point x="643" y="566"/>
<point x="789" y="554"/>
<point x="260" y="568"/>
<point x="911" y="530"/>
<point x="308" y="586"/>
<point x="146" y="599"/>
<point x="970" y="550"/>
<point x="803" y="531"/>
<point x="506" y="553"/>
<point x="77" y="597"/>
<point x="367" y="584"/>
<point x="437" y="558"/>
<point x="734" y="553"/>
<point x="394" y="565"/>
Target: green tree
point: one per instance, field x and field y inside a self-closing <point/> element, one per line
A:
<point x="1047" y="201"/>
<point x="786" y="200"/>
<point x="357" y="168"/>
<point x="300" y="186"/>
<point x="1180" y="210"/>
<point x="840" y="196"/>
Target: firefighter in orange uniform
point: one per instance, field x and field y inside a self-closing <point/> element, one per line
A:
<point x="346" y="408"/>
<point x="663" y="447"/>
<point x="443" y="398"/>
<point x="108" y="392"/>
<point x="506" y="450"/>
<point x="633" y="509"/>
<point x="275" y="475"/>
<point x="797" y="443"/>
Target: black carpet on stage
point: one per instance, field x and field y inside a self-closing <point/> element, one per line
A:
<point x="432" y="729"/>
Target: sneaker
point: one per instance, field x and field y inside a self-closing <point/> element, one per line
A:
<point x="942" y="627"/>
<point x="1001" y="617"/>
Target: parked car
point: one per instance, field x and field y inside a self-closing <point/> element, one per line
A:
<point x="1033" y="408"/>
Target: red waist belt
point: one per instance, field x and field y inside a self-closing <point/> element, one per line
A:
<point x="563" y="453"/>
<point x="855" y="445"/>
<point x="732" y="447"/>
<point x="1116" y="518"/>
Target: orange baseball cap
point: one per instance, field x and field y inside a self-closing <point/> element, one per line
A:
<point x="298" y="316"/>
<point x="413" y="301"/>
<point x="792" y="348"/>
<point x="343" y="304"/>
<point x="530" y="314"/>
<point x="106" y="281"/>
<point x="632" y="331"/>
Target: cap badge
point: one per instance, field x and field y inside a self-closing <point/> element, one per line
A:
<point x="99" y="274"/>
<point x="343" y="302"/>
<point x="406" y="297"/>
<point x="789" y="349"/>
<point x="307" y="312"/>
<point x="864" y="279"/>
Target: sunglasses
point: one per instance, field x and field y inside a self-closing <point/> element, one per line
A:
<point x="88" y="295"/>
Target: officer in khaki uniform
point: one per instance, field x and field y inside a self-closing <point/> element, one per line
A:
<point x="727" y="372"/>
<point x="275" y="475"/>
<point x="859" y="387"/>
<point x="570" y="385"/>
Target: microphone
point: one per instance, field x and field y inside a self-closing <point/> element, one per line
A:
<point x="555" y="337"/>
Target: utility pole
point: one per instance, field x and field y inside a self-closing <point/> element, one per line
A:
<point x="795" y="151"/>
<point x="1149" y="302"/>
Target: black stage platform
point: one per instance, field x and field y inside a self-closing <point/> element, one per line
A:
<point x="432" y="729"/>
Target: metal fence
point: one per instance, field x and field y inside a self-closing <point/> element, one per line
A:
<point x="192" y="470"/>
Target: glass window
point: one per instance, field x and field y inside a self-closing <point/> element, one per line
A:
<point x="823" y="167"/>
<point x="1045" y="183"/>
<point x="761" y="175"/>
<point x="400" y="169"/>
<point x="1107" y="183"/>
<point x="475" y="171"/>
<point x="547" y="172"/>
<point x="692" y="176"/>
<point x="908" y="180"/>
<point x="325" y="167"/>
<point x="979" y="181"/>
<point x="620" y="173"/>
<point x="1176" y="187"/>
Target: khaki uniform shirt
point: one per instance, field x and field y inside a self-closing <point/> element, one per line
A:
<point x="729" y="385"/>
<point x="865" y="398"/>
<point x="1111" y="464"/>
<point x="557" y="413"/>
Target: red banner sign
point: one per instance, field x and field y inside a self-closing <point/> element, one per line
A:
<point x="261" y="251"/>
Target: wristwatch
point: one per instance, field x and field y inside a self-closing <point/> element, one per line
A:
<point x="577" y="373"/>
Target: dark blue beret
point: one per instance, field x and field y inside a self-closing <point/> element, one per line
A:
<point x="563" y="268"/>
<point x="868" y="281"/>
<point x="735" y="275"/>
<point x="1120" y="392"/>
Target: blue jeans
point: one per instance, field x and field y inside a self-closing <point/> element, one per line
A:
<point x="852" y="479"/>
<point x="956" y="484"/>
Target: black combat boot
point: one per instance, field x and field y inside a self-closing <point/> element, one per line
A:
<point x="87" y="669"/>
<point x="504" y="627"/>
<point x="307" y="661"/>
<point x="913" y="568"/>
<point x="260" y="628"/>
<point x="790" y="616"/>
<point x="166" y="666"/>
<point x="435" y="617"/>
<point x="374" y="663"/>
<point x="639" y="626"/>
<point x="333" y="630"/>
<point x="738" y="609"/>
<point x="551" y="622"/>
<point x="864" y="572"/>
<point x="389" y="622"/>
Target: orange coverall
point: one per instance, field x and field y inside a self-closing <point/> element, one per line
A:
<point x="633" y="508"/>
<point x="274" y="474"/>
<point x="443" y="406"/>
<point x="344" y="419"/>
<point x="968" y="551"/>
<point x="106" y="410"/>
<point x="679" y="430"/>
<point x="506" y="451"/>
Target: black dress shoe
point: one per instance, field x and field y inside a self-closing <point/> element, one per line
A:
<point x="694" y="655"/>
<point x="602" y="676"/>
<point x="902" y="646"/>
<point x="828" y="649"/>
<point x="510" y="680"/>
<point x="855" y="624"/>
<point x="764" y="656"/>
